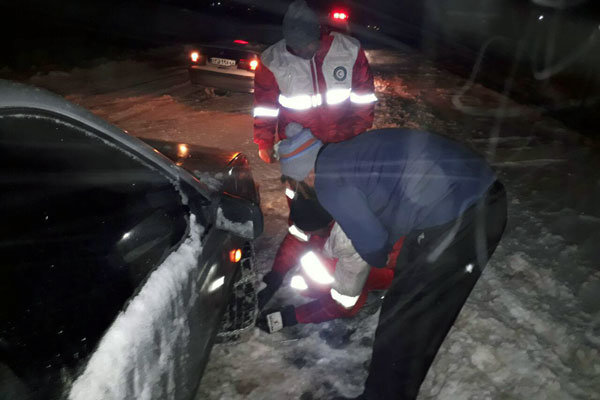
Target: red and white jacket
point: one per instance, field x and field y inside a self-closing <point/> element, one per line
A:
<point x="332" y="94"/>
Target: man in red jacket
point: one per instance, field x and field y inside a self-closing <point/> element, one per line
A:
<point x="324" y="83"/>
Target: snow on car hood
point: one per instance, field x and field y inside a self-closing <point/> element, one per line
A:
<point x="141" y="352"/>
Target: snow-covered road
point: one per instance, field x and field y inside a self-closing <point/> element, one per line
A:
<point x="531" y="328"/>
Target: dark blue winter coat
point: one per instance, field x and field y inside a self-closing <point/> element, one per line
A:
<point x="383" y="184"/>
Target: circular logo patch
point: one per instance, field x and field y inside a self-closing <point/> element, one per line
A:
<point x="340" y="73"/>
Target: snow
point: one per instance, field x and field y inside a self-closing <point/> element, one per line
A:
<point x="212" y="180"/>
<point x="531" y="327"/>
<point x="156" y="318"/>
<point x="245" y="229"/>
<point x="288" y="364"/>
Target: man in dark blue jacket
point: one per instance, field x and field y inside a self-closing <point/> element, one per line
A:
<point x="445" y="200"/>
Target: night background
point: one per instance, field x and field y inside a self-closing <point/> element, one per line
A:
<point x="41" y="36"/>
<point x="518" y="81"/>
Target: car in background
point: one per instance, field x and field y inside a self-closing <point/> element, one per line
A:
<point x="227" y="65"/>
<point x="118" y="257"/>
<point x="230" y="64"/>
<point x="337" y="19"/>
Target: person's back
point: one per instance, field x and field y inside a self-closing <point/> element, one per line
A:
<point x="446" y="200"/>
<point x="409" y="179"/>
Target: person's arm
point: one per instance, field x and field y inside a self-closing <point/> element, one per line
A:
<point x="349" y="208"/>
<point x="362" y="96"/>
<point x="351" y="271"/>
<point x="360" y="113"/>
<point x="266" y="111"/>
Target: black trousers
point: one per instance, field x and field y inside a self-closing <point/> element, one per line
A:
<point x="435" y="274"/>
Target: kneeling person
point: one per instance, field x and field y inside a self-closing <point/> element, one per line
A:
<point x="337" y="262"/>
<point x="310" y="233"/>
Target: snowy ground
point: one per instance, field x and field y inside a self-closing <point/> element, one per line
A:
<point x="531" y="328"/>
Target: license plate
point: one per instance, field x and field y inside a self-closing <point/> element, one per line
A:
<point x="224" y="62"/>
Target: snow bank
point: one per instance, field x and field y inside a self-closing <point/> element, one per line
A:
<point x="304" y="362"/>
<point x="105" y="77"/>
<point x="140" y="354"/>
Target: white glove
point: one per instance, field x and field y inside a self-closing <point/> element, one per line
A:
<point x="351" y="271"/>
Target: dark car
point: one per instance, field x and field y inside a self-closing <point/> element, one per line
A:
<point x="118" y="257"/>
<point x="228" y="64"/>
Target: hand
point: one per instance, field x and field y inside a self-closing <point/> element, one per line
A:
<point x="276" y="319"/>
<point x="266" y="155"/>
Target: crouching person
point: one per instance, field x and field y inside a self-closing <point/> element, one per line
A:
<point x="339" y="270"/>
<point x="447" y="203"/>
<point x="323" y="275"/>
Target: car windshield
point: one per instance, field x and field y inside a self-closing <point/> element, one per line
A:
<point x="440" y="159"/>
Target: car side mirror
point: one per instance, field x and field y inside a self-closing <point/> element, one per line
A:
<point x="239" y="216"/>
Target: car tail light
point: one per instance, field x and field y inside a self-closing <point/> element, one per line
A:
<point x="248" y="64"/>
<point x="194" y="55"/>
<point x="239" y="41"/>
<point x="339" y="15"/>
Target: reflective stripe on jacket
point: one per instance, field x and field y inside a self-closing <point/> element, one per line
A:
<point x="351" y="271"/>
<point x="331" y="94"/>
